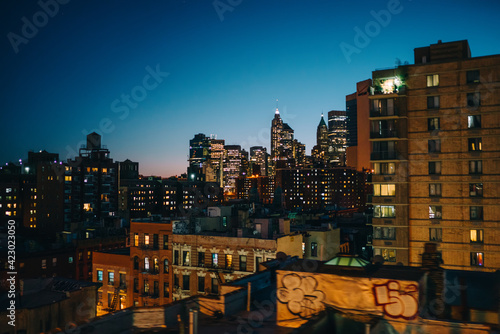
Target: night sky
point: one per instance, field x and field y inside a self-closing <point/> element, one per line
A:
<point x="218" y="68"/>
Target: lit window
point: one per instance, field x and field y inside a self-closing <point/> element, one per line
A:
<point x="146" y="263"/>
<point x="476" y="236"/>
<point x="229" y="261"/>
<point x="473" y="121"/>
<point x="433" y="80"/>
<point x="477" y="259"/>
<point x="67" y="178"/>
<point x="384" y="211"/>
<point x="99" y="276"/>
<point x="433" y="123"/>
<point x="146" y="239"/>
<point x="475" y="189"/>
<point x="435" y="212"/>
<point x="215" y="259"/>
<point x="111" y="278"/>
<point x="475" y="144"/>
<point x="384" y="189"/>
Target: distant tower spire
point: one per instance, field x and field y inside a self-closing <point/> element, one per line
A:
<point x="277" y="111"/>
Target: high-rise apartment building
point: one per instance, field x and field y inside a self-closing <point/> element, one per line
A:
<point x="337" y="133"/>
<point x="435" y="133"/>
<point x="91" y="184"/>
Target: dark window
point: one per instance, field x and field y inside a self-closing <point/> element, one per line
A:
<point x="155" y="241"/>
<point x="432" y="102"/>
<point x="476" y="212"/>
<point x="473" y="121"/>
<point x="215" y="285"/>
<point x="477" y="259"/>
<point x="475" y="167"/>
<point x="136" y="263"/>
<point x="201" y="284"/>
<point x="176" y="281"/>
<point x="434" y="145"/>
<point x="166" y="290"/>
<point x="384" y="233"/>
<point x="123" y="280"/>
<point x="473" y="76"/>
<point x="475" y="189"/>
<point x="243" y="263"/>
<point x="185" y="282"/>
<point x="435" y="234"/>
<point x="258" y="260"/>
<point x="314" y="249"/>
<point x="434" y="167"/>
<point x="136" y="285"/>
<point x="435" y="189"/>
<point x="165" y="241"/>
<point x="473" y="99"/>
<point x="475" y="144"/>
<point x="176" y="257"/>
<point x="156" y="288"/>
<point x="165" y="266"/>
<point x="201" y="259"/>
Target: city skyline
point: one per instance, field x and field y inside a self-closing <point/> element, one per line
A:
<point x="200" y="68"/>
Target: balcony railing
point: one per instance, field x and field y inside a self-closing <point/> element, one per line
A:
<point x="151" y="271"/>
<point x="377" y="90"/>
<point x="384" y="133"/>
<point x="384" y="155"/>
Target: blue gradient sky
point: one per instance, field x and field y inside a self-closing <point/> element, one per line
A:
<point x="224" y="75"/>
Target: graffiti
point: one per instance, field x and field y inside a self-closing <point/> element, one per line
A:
<point x="300" y="295"/>
<point x="396" y="303"/>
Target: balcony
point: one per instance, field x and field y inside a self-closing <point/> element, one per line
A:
<point x="392" y="155"/>
<point x="385" y="90"/>
<point x="384" y="133"/>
